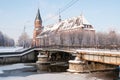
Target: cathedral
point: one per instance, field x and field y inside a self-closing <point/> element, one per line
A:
<point x="75" y="31"/>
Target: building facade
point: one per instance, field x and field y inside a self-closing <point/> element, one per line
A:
<point x="76" y="31"/>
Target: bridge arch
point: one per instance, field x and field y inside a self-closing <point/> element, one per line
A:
<point x="60" y="56"/>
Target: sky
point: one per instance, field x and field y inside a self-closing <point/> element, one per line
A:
<point x="104" y="15"/>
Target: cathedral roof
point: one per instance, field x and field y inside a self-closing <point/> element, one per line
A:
<point x="38" y="16"/>
<point x="68" y="24"/>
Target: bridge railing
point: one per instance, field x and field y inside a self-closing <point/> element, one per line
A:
<point x="60" y="47"/>
<point x="57" y="46"/>
<point x="14" y="53"/>
<point x="78" y="47"/>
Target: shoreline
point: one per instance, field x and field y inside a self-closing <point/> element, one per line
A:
<point x="30" y="73"/>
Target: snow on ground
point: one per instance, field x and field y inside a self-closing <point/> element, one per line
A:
<point x="11" y="49"/>
<point x="53" y="76"/>
<point x="11" y="67"/>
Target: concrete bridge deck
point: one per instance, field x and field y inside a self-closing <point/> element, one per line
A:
<point x="103" y="56"/>
<point x="95" y="55"/>
<point x="107" y="57"/>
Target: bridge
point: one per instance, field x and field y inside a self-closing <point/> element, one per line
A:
<point x="86" y="59"/>
<point x="96" y="55"/>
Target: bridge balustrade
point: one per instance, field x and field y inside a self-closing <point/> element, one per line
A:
<point x="80" y="47"/>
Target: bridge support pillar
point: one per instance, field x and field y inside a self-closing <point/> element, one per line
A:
<point x="119" y="73"/>
<point x="76" y="65"/>
<point x="43" y="63"/>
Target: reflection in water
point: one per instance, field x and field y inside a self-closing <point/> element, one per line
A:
<point x="57" y="68"/>
<point x="52" y="68"/>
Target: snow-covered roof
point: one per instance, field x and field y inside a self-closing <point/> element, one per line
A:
<point x="72" y="23"/>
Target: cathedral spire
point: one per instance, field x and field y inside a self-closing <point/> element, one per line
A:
<point x="59" y="16"/>
<point x="38" y="16"/>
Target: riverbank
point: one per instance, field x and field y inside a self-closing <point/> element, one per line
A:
<point x="22" y="72"/>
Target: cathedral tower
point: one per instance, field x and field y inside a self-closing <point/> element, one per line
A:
<point x="37" y="29"/>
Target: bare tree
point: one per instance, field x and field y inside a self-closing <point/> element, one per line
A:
<point x="101" y="40"/>
<point x="24" y="40"/>
<point x="118" y="40"/>
<point x="1" y="39"/>
<point x="5" y="40"/>
<point x="112" y="39"/>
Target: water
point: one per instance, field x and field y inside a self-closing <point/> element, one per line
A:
<point x="58" y="68"/>
<point x="22" y="72"/>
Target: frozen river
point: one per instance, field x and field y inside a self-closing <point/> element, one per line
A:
<point x="22" y="72"/>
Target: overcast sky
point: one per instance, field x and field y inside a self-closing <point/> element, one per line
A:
<point x="104" y="15"/>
